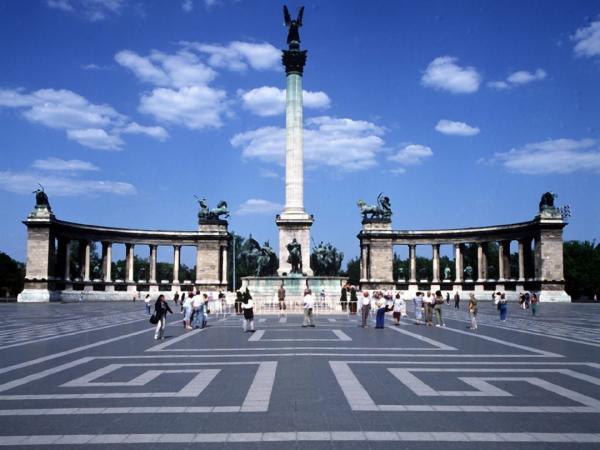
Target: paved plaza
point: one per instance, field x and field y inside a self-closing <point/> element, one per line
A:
<point x="91" y="375"/>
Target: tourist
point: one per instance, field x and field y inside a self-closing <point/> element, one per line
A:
<point x="147" y="301"/>
<point x="281" y="297"/>
<point x="438" y="301"/>
<point x="456" y="299"/>
<point x="188" y="310"/>
<point x="353" y="300"/>
<point x="428" y="306"/>
<point x="182" y="301"/>
<point x="176" y="298"/>
<point x="381" y="306"/>
<point x="473" y="311"/>
<point x="398" y="308"/>
<point x="222" y="301"/>
<point x="527" y="300"/>
<point x="418" y="302"/>
<point x="206" y="299"/>
<point x="198" y="311"/>
<point x="136" y="296"/>
<point x="160" y="309"/>
<point x="344" y="297"/>
<point x="309" y="304"/>
<point x="447" y="298"/>
<point x="502" y="306"/>
<point x="247" y="306"/>
<point x="365" y="308"/>
<point x="535" y="304"/>
<point x="238" y="302"/>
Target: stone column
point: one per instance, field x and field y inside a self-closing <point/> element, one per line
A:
<point x="521" y="260"/>
<point x="153" y="263"/>
<point x="436" y="263"/>
<point x="224" y="265"/>
<point x="86" y="260"/>
<point x="481" y="263"/>
<point x="176" y="263"/>
<point x="67" y="261"/>
<point x="412" y="254"/>
<point x="458" y="263"/>
<point x="364" y="262"/>
<point x="129" y="248"/>
<point x="107" y="261"/>
<point x="503" y="260"/>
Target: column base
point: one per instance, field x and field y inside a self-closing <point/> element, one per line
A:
<point x="294" y="228"/>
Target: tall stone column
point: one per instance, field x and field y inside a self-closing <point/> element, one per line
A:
<point x="364" y="262"/>
<point x="107" y="261"/>
<point x="458" y="263"/>
<point x="504" y="260"/>
<point x="412" y="254"/>
<point x="481" y="263"/>
<point x="294" y="222"/>
<point x="86" y="260"/>
<point x="436" y="263"/>
<point x="129" y="276"/>
<point x="67" y="261"/>
<point x="176" y="263"/>
<point x="153" y="263"/>
<point x="224" y="265"/>
<point x="521" y="260"/>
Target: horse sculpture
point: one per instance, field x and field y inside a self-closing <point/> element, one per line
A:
<point x="381" y="210"/>
<point x="212" y="214"/>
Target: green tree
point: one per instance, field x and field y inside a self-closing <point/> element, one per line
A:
<point x="582" y="268"/>
<point x="352" y="271"/>
<point x="12" y="274"/>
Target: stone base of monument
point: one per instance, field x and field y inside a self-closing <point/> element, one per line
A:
<point x="38" y="296"/>
<point x="264" y="292"/>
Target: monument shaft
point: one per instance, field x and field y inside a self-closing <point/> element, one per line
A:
<point x="294" y="152"/>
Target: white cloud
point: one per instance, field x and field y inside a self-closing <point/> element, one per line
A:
<point x="587" y="40"/>
<point x="54" y="185"/>
<point x="344" y="144"/>
<point x="554" y="156"/>
<point x="264" y="173"/>
<point x="93" y="66"/>
<point x="238" y="56"/>
<point x="270" y="101"/>
<point x="258" y="206"/>
<point x="443" y="73"/>
<point x="456" y="128"/>
<point x="158" y="133"/>
<point x="187" y="6"/>
<point x="195" y="107"/>
<point x="92" y="10"/>
<point x="60" y="165"/>
<point x="92" y="125"/>
<point x="411" y="155"/>
<point x="96" y="138"/>
<point x="178" y="70"/>
<point x="518" y="78"/>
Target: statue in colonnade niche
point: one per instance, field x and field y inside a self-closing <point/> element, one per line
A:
<point x="447" y="273"/>
<point x="468" y="273"/>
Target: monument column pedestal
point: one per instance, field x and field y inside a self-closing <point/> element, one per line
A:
<point x="289" y="229"/>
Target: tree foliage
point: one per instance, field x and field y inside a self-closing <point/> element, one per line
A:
<point x="582" y="268"/>
<point x="12" y="274"/>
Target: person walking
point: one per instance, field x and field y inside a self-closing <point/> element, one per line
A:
<point x="281" y="298"/>
<point x="382" y="308"/>
<point x="418" y="302"/>
<point x="344" y="297"/>
<point x="456" y="299"/>
<point x="147" y="301"/>
<point x="247" y="306"/>
<point x="238" y="303"/>
<point x="502" y="306"/>
<point x="535" y="304"/>
<point x="473" y="311"/>
<point x="182" y="301"/>
<point x="198" y="311"/>
<point x="447" y="298"/>
<point x="188" y="309"/>
<point x="438" y="302"/>
<point x="206" y="309"/>
<point x="398" y="308"/>
<point x="309" y="304"/>
<point x="365" y="308"/>
<point x="428" y="304"/>
<point x="160" y="309"/>
<point x="176" y="298"/>
<point x="353" y="300"/>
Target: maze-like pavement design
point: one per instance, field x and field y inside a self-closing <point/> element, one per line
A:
<point x="91" y="375"/>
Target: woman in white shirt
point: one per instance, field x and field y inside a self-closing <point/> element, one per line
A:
<point x="309" y="304"/>
<point x="365" y="308"/>
<point x="399" y="308"/>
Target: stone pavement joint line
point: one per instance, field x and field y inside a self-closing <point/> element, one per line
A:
<point x="297" y="436"/>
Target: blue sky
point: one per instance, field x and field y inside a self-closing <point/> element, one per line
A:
<point x="463" y="113"/>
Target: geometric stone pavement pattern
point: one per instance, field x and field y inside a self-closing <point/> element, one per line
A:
<point x="89" y="375"/>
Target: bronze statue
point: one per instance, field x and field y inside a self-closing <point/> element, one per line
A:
<point x="212" y="214"/>
<point x="547" y="201"/>
<point x="468" y="273"/>
<point x="326" y="260"/>
<point x="295" y="256"/>
<point x="261" y="261"/>
<point x="381" y="210"/>
<point x="293" y="38"/>
<point x="41" y="198"/>
<point x="447" y="273"/>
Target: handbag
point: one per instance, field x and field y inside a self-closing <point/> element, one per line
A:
<point x="154" y="319"/>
